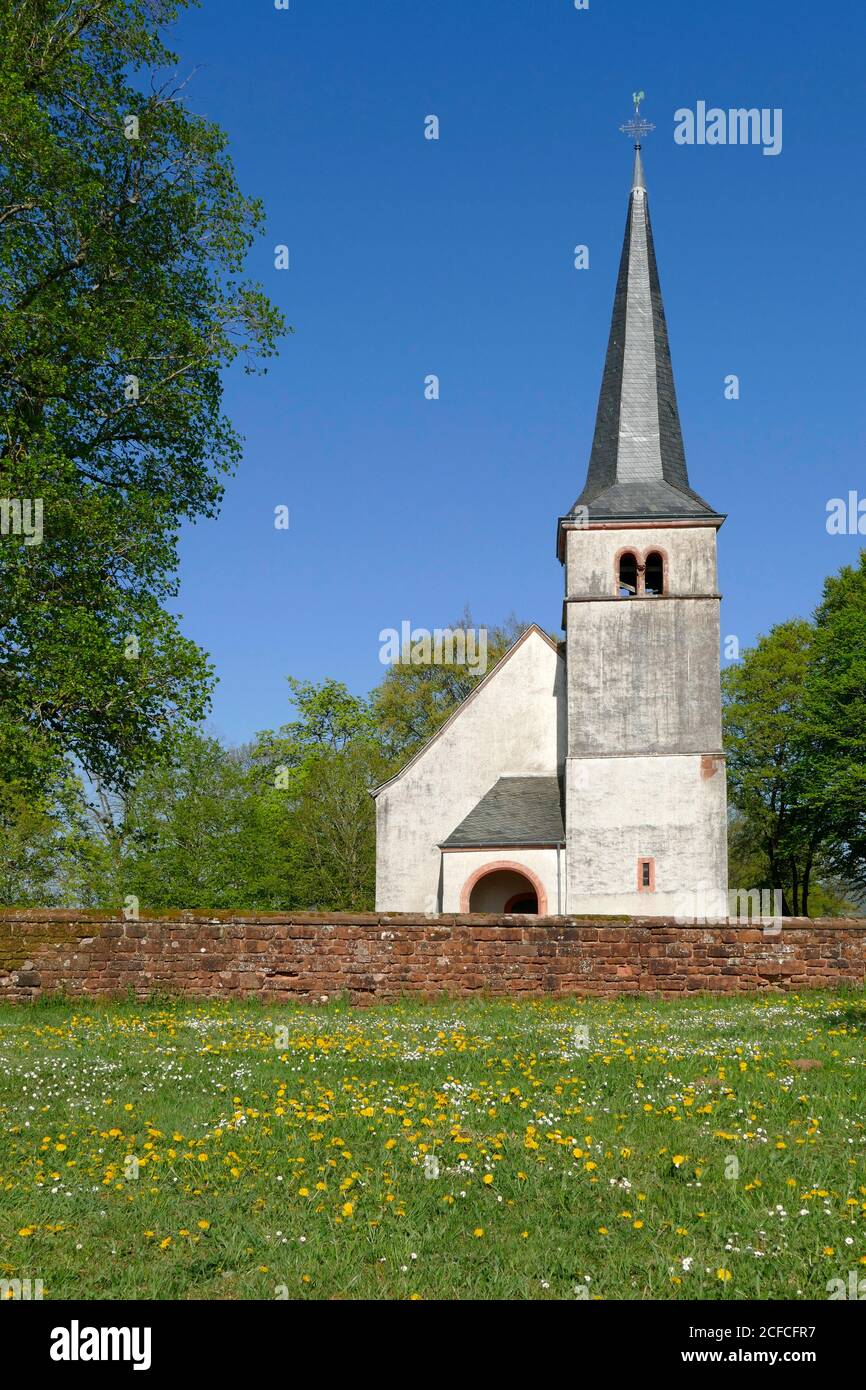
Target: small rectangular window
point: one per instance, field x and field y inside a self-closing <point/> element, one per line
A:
<point x="646" y="875"/>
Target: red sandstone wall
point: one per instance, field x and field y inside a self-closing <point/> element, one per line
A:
<point x="377" y="956"/>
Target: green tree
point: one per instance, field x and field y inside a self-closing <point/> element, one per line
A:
<point x="835" y="714"/>
<point x="769" y="765"/>
<point x="122" y="238"/>
<point x="794" y="716"/>
<point x="190" y="833"/>
<point x="44" y="844"/>
<point x="315" y="775"/>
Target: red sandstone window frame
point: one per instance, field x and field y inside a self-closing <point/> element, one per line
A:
<point x="617" y="564"/>
<point x="642" y="863"/>
<point x="641" y="558"/>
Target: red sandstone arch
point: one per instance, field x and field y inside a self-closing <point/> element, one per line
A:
<point x="495" y="867"/>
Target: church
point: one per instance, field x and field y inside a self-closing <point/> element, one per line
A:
<point x="586" y="776"/>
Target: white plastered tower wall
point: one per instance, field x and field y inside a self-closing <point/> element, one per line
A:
<point x="513" y="724"/>
<point x="645" y="775"/>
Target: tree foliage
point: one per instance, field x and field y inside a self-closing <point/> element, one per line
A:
<point x="316" y="774"/>
<point x="795" y="734"/>
<point x="122" y="239"/>
<point x="768" y="763"/>
<point x="835" y="710"/>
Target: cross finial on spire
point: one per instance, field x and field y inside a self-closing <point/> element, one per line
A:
<point x="638" y="127"/>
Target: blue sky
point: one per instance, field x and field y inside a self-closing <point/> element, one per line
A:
<point x="455" y="257"/>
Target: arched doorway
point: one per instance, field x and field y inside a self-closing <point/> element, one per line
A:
<point x="504" y="887"/>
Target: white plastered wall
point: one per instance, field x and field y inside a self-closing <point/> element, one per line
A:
<point x="671" y="810"/>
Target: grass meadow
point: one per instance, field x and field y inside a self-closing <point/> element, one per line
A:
<point x="473" y="1149"/>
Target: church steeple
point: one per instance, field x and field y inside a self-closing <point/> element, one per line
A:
<point x="637" y="467"/>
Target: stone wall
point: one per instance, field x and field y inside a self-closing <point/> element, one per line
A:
<point x="379" y="956"/>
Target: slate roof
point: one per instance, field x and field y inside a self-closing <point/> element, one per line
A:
<point x="637" y="467"/>
<point x="516" y="811"/>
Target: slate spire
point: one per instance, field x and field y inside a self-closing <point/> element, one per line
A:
<point x="637" y="468"/>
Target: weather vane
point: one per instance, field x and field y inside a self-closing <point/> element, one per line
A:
<point x="638" y="127"/>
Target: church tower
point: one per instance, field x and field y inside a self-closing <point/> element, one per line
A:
<point x="645" y="801"/>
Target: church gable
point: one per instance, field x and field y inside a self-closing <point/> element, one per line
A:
<point x="513" y="725"/>
<point x="509" y="676"/>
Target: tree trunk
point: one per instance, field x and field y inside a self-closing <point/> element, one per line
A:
<point x="807" y="873"/>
